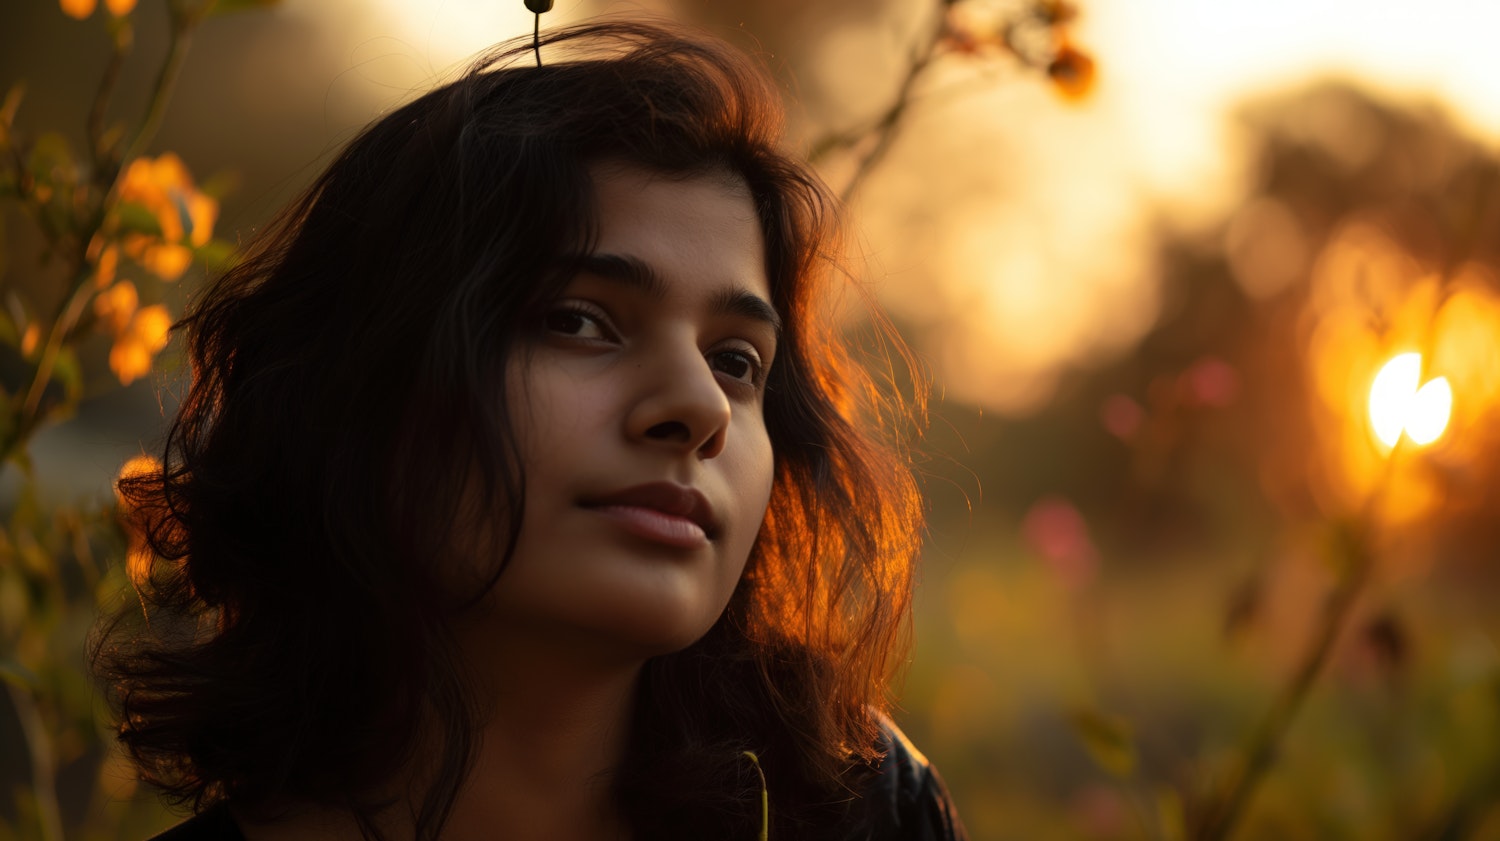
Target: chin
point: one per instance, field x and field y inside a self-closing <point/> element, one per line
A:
<point x="654" y="632"/>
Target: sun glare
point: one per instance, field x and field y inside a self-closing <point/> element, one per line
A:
<point x="1400" y="402"/>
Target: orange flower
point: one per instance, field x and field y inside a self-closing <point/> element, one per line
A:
<point x="104" y="271"/>
<point x="164" y="187"/>
<point x="81" y="9"/>
<point x="116" y="305"/>
<point x="202" y="213"/>
<point x="30" y="338"/>
<point x="151" y="326"/>
<point x="147" y="334"/>
<point x="155" y="184"/>
<point x="167" y="262"/>
<point x="78" y="9"/>
<point x="1072" y="72"/>
<point x="129" y="360"/>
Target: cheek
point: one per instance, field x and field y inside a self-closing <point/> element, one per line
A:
<point x="551" y="411"/>
<point x="756" y="473"/>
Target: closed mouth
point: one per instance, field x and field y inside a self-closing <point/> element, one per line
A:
<point x="675" y="502"/>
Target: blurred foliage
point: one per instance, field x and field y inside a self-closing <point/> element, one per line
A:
<point x="82" y="312"/>
<point x="1194" y="597"/>
<point x="1034" y="34"/>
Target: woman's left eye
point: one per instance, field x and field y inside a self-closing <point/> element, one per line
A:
<point x="741" y="365"/>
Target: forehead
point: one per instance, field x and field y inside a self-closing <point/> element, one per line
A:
<point x="702" y="227"/>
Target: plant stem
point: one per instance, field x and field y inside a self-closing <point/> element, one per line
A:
<point x="108" y="180"/>
<point x="183" y="26"/>
<point x="1265" y="741"/>
<point x="43" y="769"/>
<point x="1356" y="567"/>
<point x="72" y="308"/>
<point x="120" y="42"/>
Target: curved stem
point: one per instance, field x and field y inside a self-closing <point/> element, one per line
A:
<point x="61" y="327"/>
<point x="43" y="769"/>
<point x="1265" y="741"/>
<point x="1356" y="568"/>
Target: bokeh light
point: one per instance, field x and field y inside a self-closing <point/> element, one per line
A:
<point x="1400" y="402"/>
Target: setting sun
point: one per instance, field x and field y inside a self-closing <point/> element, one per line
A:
<point x="1399" y="402"/>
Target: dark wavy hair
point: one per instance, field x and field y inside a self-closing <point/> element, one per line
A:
<point x="296" y="639"/>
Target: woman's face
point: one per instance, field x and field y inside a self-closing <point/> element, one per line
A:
<point x="638" y="411"/>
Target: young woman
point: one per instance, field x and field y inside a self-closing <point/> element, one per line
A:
<point x="522" y="490"/>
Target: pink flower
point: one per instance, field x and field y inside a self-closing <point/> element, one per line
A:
<point x="1211" y="382"/>
<point x="1058" y="533"/>
<point x="1122" y="416"/>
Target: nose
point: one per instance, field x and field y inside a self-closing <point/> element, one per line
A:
<point x="680" y="404"/>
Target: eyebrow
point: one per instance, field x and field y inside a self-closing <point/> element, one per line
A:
<point x="637" y="273"/>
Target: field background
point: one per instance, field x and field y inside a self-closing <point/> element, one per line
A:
<point x="1152" y="254"/>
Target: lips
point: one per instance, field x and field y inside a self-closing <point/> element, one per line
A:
<point x="655" y="506"/>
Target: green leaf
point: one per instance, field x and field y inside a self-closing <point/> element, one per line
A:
<point x="228" y="7"/>
<point x="51" y="160"/>
<point x="1347" y="549"/>
<point x="10" y="332"/>
<point x="121" y="30"/>
<point x="220" y="185"/>
<point x="21" y="458"/>
<point x="137" y="218"/>
<point x="1171" y="815"/>
<point x="217" y="255"/>
<point x="17" y="675"/>
<point x="10" y="105"/>
<point x="111" y="138"/>
<point x="68" y="371"/>
<point x="1108" y="740"/>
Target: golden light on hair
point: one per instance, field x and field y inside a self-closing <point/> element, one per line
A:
<point x="1401" y="403"/>
<point x="138" y="466"/>
<point x="138" y="558"/>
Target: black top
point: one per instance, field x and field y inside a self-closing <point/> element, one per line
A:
<point x="908" y="802"/>
<point x="212" y="825"/>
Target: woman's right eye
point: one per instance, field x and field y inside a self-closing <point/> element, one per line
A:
<point x="575" y="322"/>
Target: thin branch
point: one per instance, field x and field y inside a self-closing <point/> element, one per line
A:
<point x="884" y="127"/>
<point x="121" y="40"/>
<point x="61" y="328"/>
<point x="43" y="768"/>
<point x="183" y="25"/>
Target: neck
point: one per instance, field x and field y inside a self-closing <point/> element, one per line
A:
<point x="558" y="726"/>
